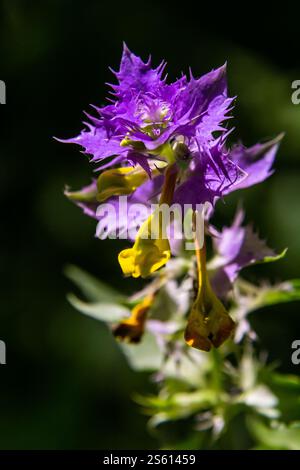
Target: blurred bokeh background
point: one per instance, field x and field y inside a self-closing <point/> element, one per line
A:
<point x="66" y="385"/>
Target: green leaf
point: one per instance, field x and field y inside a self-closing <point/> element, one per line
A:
<point x="286" y="382"/>
<point x="281" y="437"/>
<point x="270" y="259"/>
<point x="145" y="355"/>
<point x="176" y="406"/>
<point x="285" y="292"/>
<point x="287" y="389"/>
<point x="107" y="312"/>
<point x="93" y="289"/>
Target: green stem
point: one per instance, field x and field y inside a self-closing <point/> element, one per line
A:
<point x="217" y="361"/>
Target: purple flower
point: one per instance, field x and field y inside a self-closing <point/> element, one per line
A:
<point x="237" y="247"/>
<point x="150" y="120"/>
<point x="146" y="112"/>
<point x="256" y="161"/>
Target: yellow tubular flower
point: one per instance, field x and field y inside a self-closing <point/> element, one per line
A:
<point x="209" y="324"/>
<point x="132" y="329"/>
<point x="119" y="182"/>
<point x="151" y="249"/>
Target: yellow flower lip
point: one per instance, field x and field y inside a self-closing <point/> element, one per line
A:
<point x="125" y="180"/>
<point x="136" y="144"/>
<point x="145" y="257"/>
<point x="119" y="182"/>
<point x="151" y="249"/>
<point x="132" y="329"/>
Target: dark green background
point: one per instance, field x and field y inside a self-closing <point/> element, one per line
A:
<point x="65" y="384"/>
